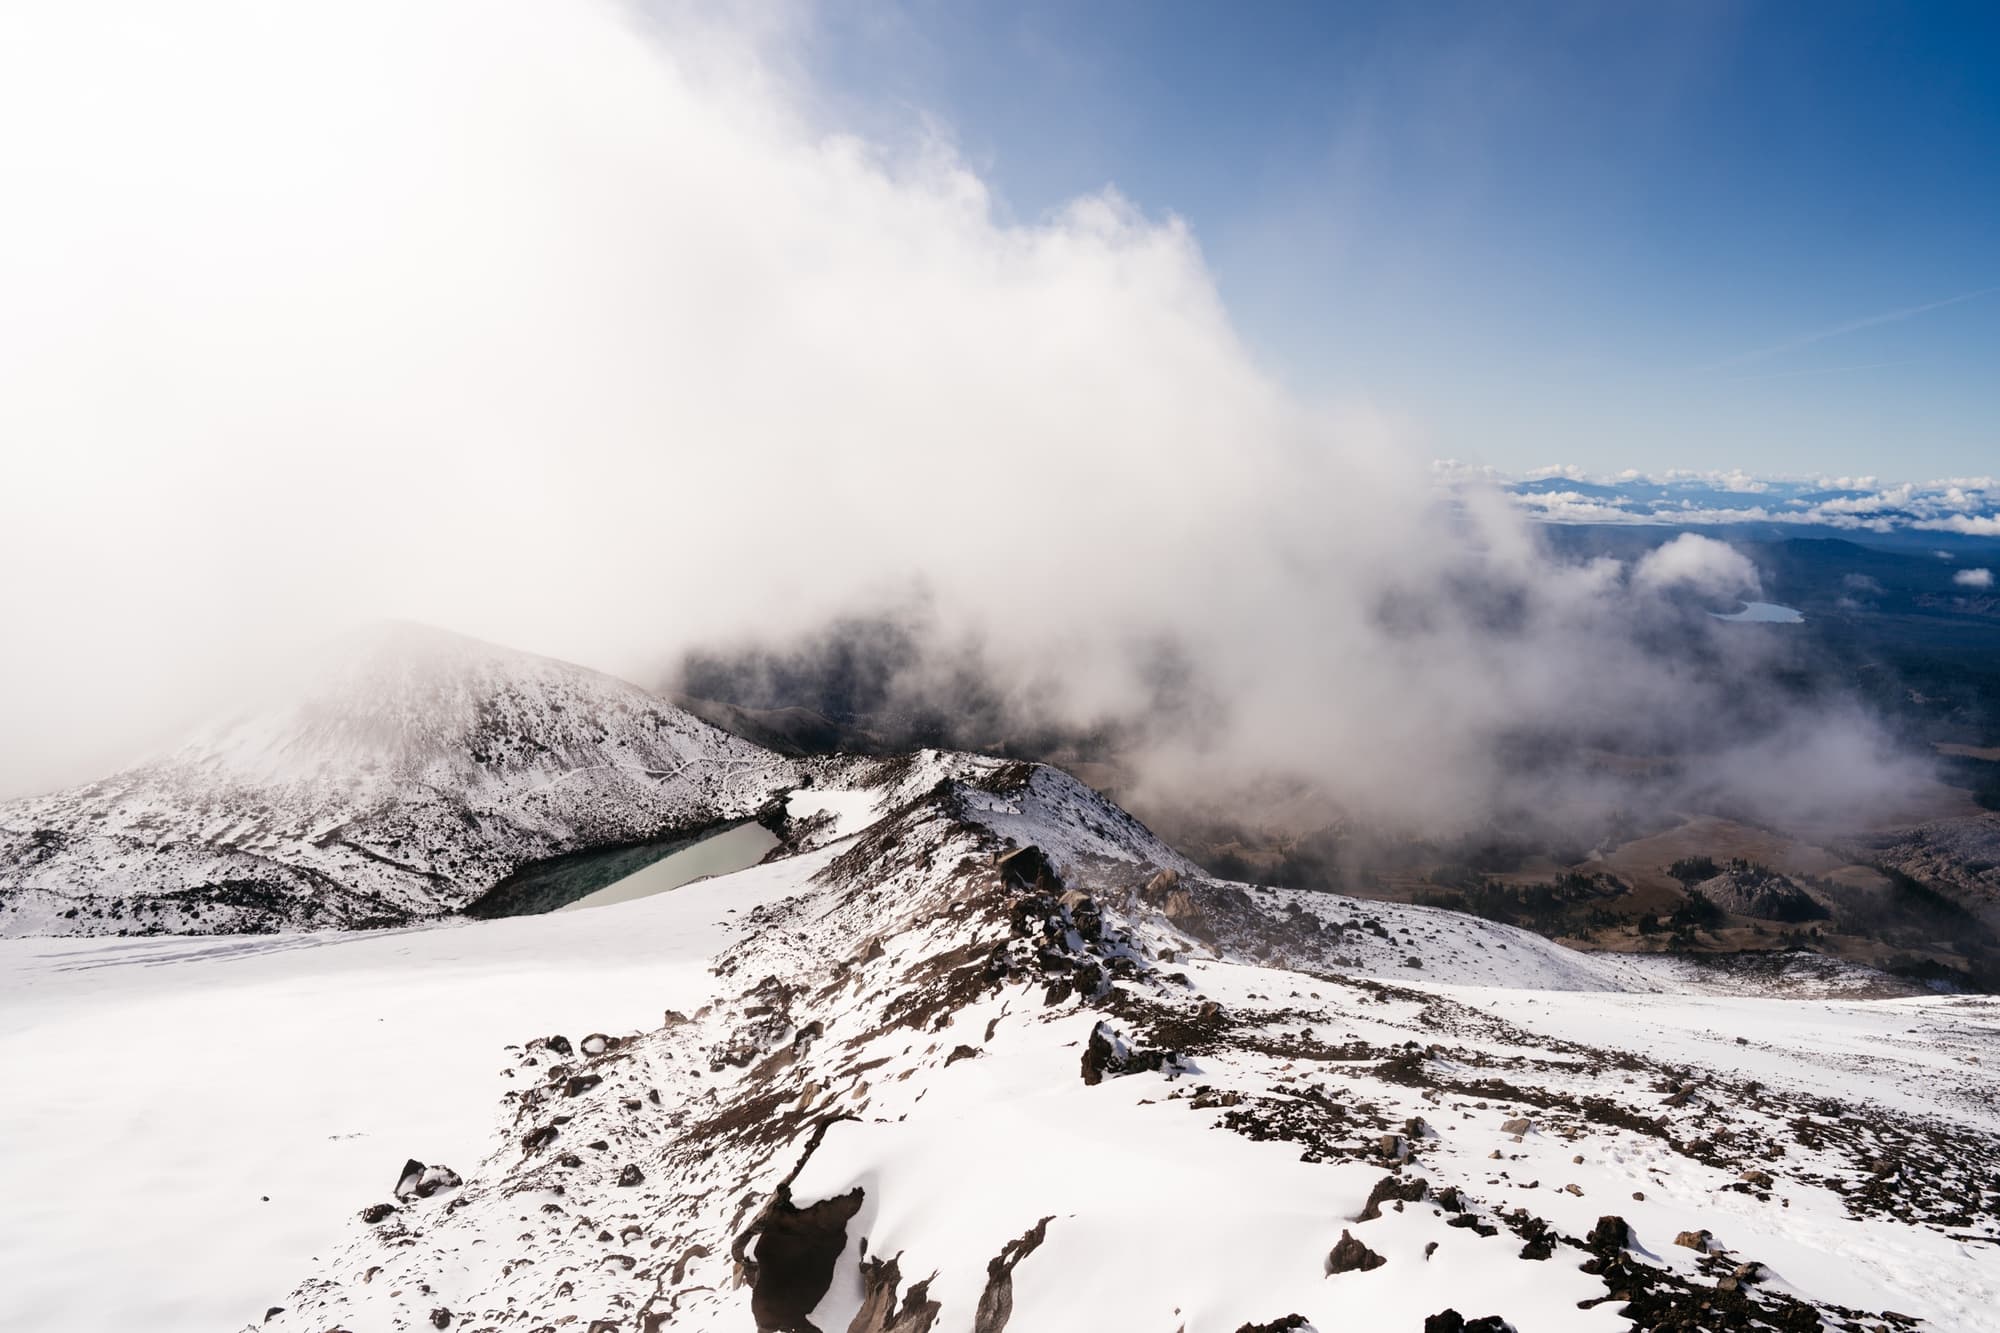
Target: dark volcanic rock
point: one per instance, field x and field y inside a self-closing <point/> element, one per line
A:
<point x="1106" y="1055"/>
<point x="420" y="1182"/>
<point x="880" y="1313"/>
<point x="1351" y="1256"/>
<point x="1451" y="1321"/>
<point x="996" y="1302"/>
<point x="796" y="1249"/>
<point x="1391" y="1189"/>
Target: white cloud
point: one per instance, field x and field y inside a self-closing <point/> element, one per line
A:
<point x="1969" y="524"/>
<point x="1973" y="578"/>
<point x="587" y="335"/>
<point x="1701" y="563"/>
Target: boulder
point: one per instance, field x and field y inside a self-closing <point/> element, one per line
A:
<point x="1349" y="1255"/>
<point x="1393" y="1189"/>
<point x="418" y="1181"/>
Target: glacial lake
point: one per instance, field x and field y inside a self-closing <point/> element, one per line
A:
<point x="621" y="874"/>
<point x="1768" y="613"/>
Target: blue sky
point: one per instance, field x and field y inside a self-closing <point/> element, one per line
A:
<point x="1758" y="236"/>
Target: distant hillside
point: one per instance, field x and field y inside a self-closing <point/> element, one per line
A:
<point x="417" y="771"/>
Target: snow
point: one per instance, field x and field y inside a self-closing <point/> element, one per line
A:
<point x="850" y="810"/>
<point x="420" y="770"/>
<point x="159" y="1089"/>
<point x="162" y="1087"/>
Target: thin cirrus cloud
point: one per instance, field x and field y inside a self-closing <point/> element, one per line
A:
<point x="1846" y="327"/>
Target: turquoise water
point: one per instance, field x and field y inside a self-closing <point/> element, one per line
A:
<point x="1769" y="613"/>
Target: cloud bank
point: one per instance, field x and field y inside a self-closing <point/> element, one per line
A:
<point x="577" y="328"/>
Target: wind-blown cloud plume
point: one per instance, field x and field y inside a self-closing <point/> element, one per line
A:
<point x="575" y="328"/>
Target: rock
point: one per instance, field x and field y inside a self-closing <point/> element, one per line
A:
<point x="1390" y="1146"/>
<point x="631" y="1175"/>
<point x="1083" y="914"/>
<point x="1284" y="1325"/>
<point x="1107" y="1055"/>
<point x="560" y="1045"/>
<point x="1694" y="1240"/>
<point x="1154" y="892"/>
<point x="1393" y="1189"/>
<point x="440" y="1318"/>
<point x="597" y="1043"/>
<point x="1518" y="1125"/>
<point x="1749" y="890"/>
<point x="796" y="1248"/>
<point x="1027" y="868"/>
<point x="1761" y="1179"/>
<point x="1573" y="1188"/>
<point x="1451" y="1321"/>
<point x="961" y="1053"/>
<point x="1349" y="1256"/>
<point x="1611" y="1233"/>
<point x="420" y="1182"/>
<point x="996" y="1302"/>
<point x="273" y="1313"/>
<point x="880" y="1312"/>
<point x="580" y="1084"/>
<point x="376" y="1212"/>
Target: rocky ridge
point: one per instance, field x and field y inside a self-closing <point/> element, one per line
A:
<point x="1003" y="1042"/>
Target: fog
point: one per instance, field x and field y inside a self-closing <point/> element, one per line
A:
<point x="584" y="330"/>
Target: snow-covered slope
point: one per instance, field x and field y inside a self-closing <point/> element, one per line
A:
<point x="420" y="769"/>
<point x="902" y="1080"/>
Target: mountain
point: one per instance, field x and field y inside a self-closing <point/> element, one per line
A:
<point x="995" y="1058"/>
<point x="415" y="771"/>
<point x="973" y="1051"/>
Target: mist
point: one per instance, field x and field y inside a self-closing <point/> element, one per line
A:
<point x="585" y="329"/>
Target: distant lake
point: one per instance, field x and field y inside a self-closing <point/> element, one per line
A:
<point x="1769" y="613"/>
<point x="620" y="874"/>
<point x="721" y="854"/>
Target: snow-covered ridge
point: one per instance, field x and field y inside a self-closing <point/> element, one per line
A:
<point x="975" y="1052"/>
<point x="420" y="769"/>
<point x="988" y="1063"/>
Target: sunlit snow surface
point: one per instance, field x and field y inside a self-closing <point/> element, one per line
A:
<point x="158" y="1090"/>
